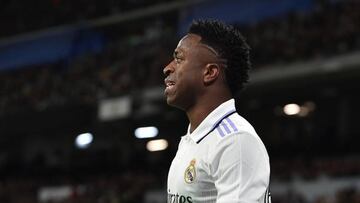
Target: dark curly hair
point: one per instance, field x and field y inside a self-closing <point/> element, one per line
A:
<point x="230" y="45"/>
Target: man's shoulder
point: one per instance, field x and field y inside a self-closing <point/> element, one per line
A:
<point x="233" y="125"/>
<point x="243" y="141"/>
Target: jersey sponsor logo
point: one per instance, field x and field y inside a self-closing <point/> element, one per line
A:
<point x="176" y="198"/>
<point x="190" y="172"/>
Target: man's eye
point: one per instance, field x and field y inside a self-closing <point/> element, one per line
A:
<point x="177" y="59"/>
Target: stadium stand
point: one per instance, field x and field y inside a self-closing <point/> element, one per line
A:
<point x="273" y="41"/>
<point x="128" y="65"/>
<point x="59" y="12"/>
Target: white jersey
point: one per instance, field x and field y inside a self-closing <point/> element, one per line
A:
<point x="222" y="161"/>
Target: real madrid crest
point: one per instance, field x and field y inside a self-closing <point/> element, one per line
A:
<point x="190" y="172"/>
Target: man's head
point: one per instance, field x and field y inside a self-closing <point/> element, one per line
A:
<point x="231" y="46"/>
<point x="212" y="55"/>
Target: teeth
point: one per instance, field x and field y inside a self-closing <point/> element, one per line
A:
<point x="169" y="84"/>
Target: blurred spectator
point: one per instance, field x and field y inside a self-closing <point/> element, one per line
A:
<point x="16" y="16"/>
<point x="329" y="30"/>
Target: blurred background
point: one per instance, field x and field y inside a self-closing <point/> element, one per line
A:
<point x="83" y="117"/>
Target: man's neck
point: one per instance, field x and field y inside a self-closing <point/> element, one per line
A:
<point x="202" y="109"/>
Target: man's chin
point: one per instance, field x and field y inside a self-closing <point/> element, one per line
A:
<point x="170" y="101"/>
<point x="176" y="104"/>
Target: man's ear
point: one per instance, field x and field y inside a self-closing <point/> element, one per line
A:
<point x="211" y="73"/>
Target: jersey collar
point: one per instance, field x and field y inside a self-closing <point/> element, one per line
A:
<point x="212" y="120"/>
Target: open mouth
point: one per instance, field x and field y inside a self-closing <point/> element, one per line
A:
<point x="169" y="84"/>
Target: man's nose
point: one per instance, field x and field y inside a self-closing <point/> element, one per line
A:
<point x="168" y="69"/>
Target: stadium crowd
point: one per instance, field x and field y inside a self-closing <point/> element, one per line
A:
<point x="329" y="30"/>
<point x="285" y="169"/>
<point x="17" y="18"/>
<point x="114" y="72"/>
<point x="130" y="186"/>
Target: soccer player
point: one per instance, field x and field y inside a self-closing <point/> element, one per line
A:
<point x="221" y="159"/>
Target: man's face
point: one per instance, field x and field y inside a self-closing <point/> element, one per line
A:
<point x="184" y="74"/>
